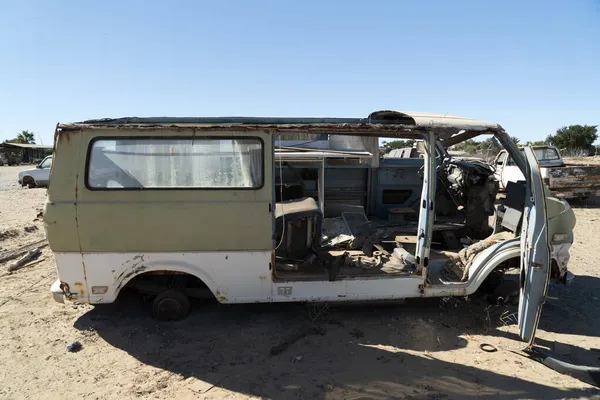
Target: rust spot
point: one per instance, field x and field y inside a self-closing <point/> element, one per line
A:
<point x="64" y="286"/>
<point x="78" y="284"/>
<point x="221" y="296"/>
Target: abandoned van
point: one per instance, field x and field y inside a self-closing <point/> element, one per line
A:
<point x="255" y="210"/>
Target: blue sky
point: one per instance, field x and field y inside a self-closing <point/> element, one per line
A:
<point x="531" y="66"/>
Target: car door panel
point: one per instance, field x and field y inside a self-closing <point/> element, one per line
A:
<point x="535" y="260"/>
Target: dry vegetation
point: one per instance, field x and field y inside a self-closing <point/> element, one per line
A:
<point x="419" y="350"/>
<point x="595" y="160"/>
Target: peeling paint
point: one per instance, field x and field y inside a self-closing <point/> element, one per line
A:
<point x="132" y="272"/>
<point x="133" y="264"/>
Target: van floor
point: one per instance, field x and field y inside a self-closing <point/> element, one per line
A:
<point x="404" y="234"/>
<point x="316" y="272"/>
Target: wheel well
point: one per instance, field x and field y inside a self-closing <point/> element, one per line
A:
<point x="155" y="282"/>
<point x="514" y="262"/>
<point x="496" y="276"/>
<point x="27" y="179"/>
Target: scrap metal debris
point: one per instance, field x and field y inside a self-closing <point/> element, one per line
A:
<point x="21" y="262"/>
<point x="74" y="347"/>
<point x="11" y="255"/>
<point x="590" y="375"/>
<point x="488" y="348"/>
<point x="30" y="228"/>
<point x="8" y="233"/>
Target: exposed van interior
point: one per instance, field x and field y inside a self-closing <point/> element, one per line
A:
<point x="340" y="218"/>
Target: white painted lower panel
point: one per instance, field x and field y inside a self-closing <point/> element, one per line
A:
<point x="233" y="277"/>
<point x="349" y="289"/>
<point x="384" y="288"/>
<point x="310" y="291"/>
<point x="71" y="271"/>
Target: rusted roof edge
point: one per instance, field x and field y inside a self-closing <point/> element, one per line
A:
<point x="380" y="130"/>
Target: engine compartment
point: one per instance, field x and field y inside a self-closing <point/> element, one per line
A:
<point x="468" y="188"/>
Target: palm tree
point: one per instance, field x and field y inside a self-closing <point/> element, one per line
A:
<point x="25" y="137"/>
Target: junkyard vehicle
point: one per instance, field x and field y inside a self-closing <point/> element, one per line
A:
<point x="233" y="208"/>
<point x="37" y="177"/>
<point x="565" y="181"/>
<point x="7" y="158"/>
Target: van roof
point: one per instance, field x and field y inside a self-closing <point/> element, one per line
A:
<point x="380" y="123"/>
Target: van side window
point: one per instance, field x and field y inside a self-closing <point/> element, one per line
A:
<point x="175" y="163"/>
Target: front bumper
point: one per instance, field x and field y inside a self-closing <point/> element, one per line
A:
<point x="57" y="293"/>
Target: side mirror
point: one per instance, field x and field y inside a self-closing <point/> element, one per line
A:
<point x="39" y="166"/>
<point x="500" y="162"/>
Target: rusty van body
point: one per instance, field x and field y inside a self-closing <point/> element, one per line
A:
<point x="294" y="209"/>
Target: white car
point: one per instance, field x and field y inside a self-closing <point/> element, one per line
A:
<point x="38" y="177"/>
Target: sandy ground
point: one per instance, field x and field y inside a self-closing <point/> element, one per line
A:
<point x="419" y="350"/>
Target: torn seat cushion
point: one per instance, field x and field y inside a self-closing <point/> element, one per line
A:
<point x="299" y="222"/>
<point x="459" y="263"/>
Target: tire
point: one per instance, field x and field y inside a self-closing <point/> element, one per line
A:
<point x="170" y="305"/>
<point x="29" y="182"/>
<point x="493" y="280"/>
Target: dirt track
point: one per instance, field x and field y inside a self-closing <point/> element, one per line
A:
<point x="419" y="350"/>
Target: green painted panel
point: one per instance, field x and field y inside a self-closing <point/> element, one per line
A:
<point x="153" y="220"/>
<point x="59" y="211"/>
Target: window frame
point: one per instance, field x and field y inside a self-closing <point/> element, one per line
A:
<point x="545" y="149"/>
<point x="47" y="159"/>
<point x="134" y="189"/>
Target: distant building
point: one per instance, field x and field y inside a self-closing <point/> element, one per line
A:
<point x="20" y="153"/>
<point x="405" y="152"/>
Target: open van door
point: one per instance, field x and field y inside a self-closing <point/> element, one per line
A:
<point x="535" y="252"/>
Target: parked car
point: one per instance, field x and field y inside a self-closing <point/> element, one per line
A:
<point x="37" y="177"/>
<point x="564" y="181"/>
<point x="185" y="207"/>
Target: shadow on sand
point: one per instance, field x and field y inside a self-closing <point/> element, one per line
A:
<point x="590" y="202"/>
<point x="230" y="346"/>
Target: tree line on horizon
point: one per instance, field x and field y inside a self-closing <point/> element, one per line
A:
<point x="23" y="137"/>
